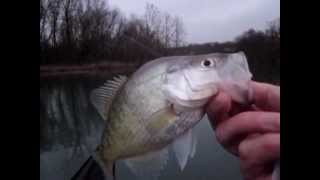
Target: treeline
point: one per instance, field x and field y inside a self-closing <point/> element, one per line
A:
<point x="263" y="52"/>
<point x="85" y="31"/>
<point x="90" y="31"/>
<point x="262" y="49"/>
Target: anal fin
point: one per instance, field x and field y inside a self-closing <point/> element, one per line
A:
<point x="276" y="171"/>
<point x="185" y="148"/>
<point x="148" y="166"/>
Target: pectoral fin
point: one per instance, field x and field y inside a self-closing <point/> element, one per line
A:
<point x="161" y="119"/>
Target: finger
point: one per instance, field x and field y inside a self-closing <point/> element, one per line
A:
<point x="233" y="130"/>
<point x="261" y="149"/>
<point x="266" y="96"/>
<point x="258" y="154"/>
<point x="218" y="108"/>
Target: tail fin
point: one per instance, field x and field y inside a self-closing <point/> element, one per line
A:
<point x="91" y="170"/>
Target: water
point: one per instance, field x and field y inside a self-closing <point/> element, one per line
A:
<point x="70" y="129"/>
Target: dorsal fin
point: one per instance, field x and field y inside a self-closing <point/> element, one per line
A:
<point x="102" y="97"/>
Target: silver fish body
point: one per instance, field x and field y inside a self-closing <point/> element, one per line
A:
<point x="161" y="102"/>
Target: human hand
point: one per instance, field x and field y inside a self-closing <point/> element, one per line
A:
<point x="251" y="132"/>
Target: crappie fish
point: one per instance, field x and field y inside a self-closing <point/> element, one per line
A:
<point x="159" y="105"/>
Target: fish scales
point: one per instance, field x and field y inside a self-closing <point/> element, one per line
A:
<point x="160" y="104"/>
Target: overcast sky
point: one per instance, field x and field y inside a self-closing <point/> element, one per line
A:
<point x="210" y="20"/>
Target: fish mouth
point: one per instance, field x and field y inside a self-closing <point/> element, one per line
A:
<point x="191" y="103"/>
<point x="187" y="96"/>
<point x="184" y="100"/>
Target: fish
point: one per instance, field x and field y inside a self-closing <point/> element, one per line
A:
<point x="157" y="107"/>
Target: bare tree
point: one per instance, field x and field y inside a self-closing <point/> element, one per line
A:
<point x="67" y="29"/>
<point x="89" y="30"/>
<point x="54" y="14"/>
<point x="151" y="19"/>
<point x="274" y="29"/>
<point x="43" y="19"/>
<point x="167" y="31"/>
<point x="179" y="32"/>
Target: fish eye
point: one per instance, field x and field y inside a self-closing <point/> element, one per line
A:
<point x="208" y="63"/>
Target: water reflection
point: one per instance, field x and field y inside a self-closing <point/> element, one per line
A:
<point x="70" y="129"/>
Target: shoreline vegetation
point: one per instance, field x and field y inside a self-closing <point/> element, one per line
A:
<point x="94" y="69"/>
<point x="84" y="38"/>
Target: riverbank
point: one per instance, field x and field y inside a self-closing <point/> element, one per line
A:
<point x="94" y="69"/>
